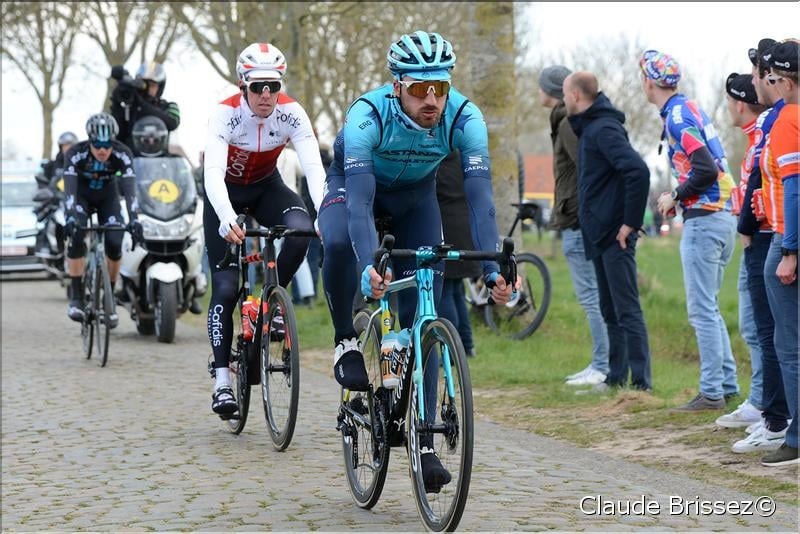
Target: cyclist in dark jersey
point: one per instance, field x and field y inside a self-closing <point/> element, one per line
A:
<point x="385" y="161"/>
<point x="91" y="171"/>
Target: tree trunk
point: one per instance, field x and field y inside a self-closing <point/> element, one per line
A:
<point x="47" y="122"/>
<point x="493" y="79"/>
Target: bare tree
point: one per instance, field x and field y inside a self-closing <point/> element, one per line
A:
<point x="161" y="32"/>
<point x="38" y="39"/>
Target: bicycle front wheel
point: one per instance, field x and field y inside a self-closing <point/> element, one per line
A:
<point x="364" y="433"/>
<point x="447" y="429"/>
<point x="241" y="388"/>
<point x="103" y="307"/>
<point x="280" y="367"/>
<point x="521" y="317"/>
<point x="87" y="301"/>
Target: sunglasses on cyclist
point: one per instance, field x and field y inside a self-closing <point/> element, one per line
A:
<point x="772" y="79"/>
<point x="101" y="144"/>
<point x="421" y="88"/>
<point x="259" y="87"/>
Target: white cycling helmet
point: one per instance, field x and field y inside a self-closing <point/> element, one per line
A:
<point x="260" y="61"/>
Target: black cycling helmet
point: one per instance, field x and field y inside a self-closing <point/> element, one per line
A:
<point x="150" y="137"/>
<point x="153" y="72"/>
<point x="67" y="138"/>
<point x="102" y="127"/>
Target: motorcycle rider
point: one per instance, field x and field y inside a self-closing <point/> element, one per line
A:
<point x="134" y="98"/>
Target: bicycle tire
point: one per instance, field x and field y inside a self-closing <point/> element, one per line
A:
<point x="521" y="318"/>
<point x="442" y="510"/>
<point x="87" y="324"/>
<point x="239" y="370"/>
<point x="280" y="369"/>
<point x="103" y="306"/>
<point x="367" y="477"/>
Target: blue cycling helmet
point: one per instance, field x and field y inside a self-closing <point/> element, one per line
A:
<point x="421" y="55"/>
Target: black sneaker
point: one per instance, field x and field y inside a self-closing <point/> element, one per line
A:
<point x="433" y="472"/>
<point x="785" y="455"/>
<point x="348" y="365"/>
<point x="75" y="311"/>
<point x="223" y="402"/>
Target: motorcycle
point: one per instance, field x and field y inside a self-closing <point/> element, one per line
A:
<point x="50" y="215"/>
<point x="162" y="277"/>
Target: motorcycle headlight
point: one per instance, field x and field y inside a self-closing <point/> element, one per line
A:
<point x="177" y="229"/>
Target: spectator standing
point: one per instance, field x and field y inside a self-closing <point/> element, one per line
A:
<point x="455" y="226"/>
<point x="613" y="183"/>
<point x="564" y="218"/>
<point x="704" y="184"/>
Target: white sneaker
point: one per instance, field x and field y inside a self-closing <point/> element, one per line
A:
<point x="580" y="373"/>
<point x="760" y="440"/>
<point x="591" y="378"/>
<point x="743" y="416"/>
<point x="752" y="428"/>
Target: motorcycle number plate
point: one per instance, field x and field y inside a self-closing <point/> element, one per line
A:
<point x="14" y="251"/>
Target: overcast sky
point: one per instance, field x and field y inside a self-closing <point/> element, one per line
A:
<point x="703" y="37"/>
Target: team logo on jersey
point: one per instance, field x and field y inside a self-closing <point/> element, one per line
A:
<point x="164" y="191"/>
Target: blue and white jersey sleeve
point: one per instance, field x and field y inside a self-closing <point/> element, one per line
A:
<point x="470" y="136"/>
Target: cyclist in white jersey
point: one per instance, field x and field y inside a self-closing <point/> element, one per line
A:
<point x="246" y="134"/>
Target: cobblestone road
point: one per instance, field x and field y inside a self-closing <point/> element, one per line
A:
<point x="134" y="446"/>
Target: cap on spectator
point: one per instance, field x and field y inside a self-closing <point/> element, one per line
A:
<point x="783" y="56"/>
<point x="740" y="87"/>
<point x="661" y="68"/>
<point x="551" y="80"/>
<point x="763" y="45"/>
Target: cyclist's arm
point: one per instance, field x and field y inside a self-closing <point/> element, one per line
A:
<point x="215" y="164"/>
<point x="127" y="180"/>
<point x="307" y="148"/>
<point x="360" y="179"/>
<point x="70" y="176"/>
<point x="472" y="139"/>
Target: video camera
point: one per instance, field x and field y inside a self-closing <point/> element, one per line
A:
<point x="119" y="73"/>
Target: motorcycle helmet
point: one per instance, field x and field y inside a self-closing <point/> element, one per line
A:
<point x="150" y="137"/>
<point x="153" y="72"/>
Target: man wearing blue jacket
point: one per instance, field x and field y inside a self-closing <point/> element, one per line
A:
<point x="613" y="184"/>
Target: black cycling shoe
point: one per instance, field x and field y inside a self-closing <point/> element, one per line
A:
<point x="433" y="472"/>
<point x="348" y="365"/>
<point x="195" y="307"/>
<point x="75" y="311"/>
<point x="223" y="402"/>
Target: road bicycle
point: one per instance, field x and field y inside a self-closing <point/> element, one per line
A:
<point x="373" y="421"/>
<point x="271" y="357"/>
<point x="520" y="317"/>
<point x="98" y="296"/>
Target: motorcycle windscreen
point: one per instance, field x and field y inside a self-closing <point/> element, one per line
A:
<point x="165" y="187"/>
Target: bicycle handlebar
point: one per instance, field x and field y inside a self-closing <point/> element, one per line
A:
<point x="272" y="233"/>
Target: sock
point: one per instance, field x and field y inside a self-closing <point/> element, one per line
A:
<point x="77" y="287"/>
<point x="223" y="377"/>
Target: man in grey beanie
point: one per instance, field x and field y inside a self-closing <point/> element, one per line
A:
<point x="565" y="219"/>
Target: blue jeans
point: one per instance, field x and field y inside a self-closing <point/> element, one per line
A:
<point x="706" y="248"/>
<point x="629" y="347"/>
<point x="773" y="398"/>
<point x="453" y="307"/>
<point x="584" y="281"/>
<point x="783" y="302"/>
<point x="749" y="332"/>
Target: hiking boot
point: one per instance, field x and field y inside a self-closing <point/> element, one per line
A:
<point x="701" y="403"/>
<point x="348" y="365"/>
<point x="434" y="473"/>
<point x="75" y="311"/>
<point x="223" y="402"/>
<point x="785" y="455"/>
<point x="743" y="416"/>
<point x="592" y="377"/>
<point x="762" y="439"/>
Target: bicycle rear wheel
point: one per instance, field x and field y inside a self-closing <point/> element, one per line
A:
<point x="87" y="325"/>
<point x="449" y="416"/>
<point x="522" y="316"/>
<point x="280" y="367"/>
<point x="364" y="442"/>
<point x="103" y="307"/>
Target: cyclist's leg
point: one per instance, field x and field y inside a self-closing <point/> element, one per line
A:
<point x="76" y="260"/>
<point x="109" y="211"/>
<point x="224" y="289"/>
<point x="277" y="204"/>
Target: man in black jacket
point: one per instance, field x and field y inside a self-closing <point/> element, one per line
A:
<point x="613" y="184"/>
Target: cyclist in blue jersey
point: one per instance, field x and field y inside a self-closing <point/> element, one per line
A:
<point x="385" y="161"/>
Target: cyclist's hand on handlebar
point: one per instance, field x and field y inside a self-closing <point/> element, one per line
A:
<point x="231" y="232"/>
<point x="137" y="232"/>
<point x="371" y="283"/>
<point x="501" y="291"/>
<point x="69" y="228"/>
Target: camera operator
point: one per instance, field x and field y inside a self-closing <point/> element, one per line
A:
<point x="134" y="98"/>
